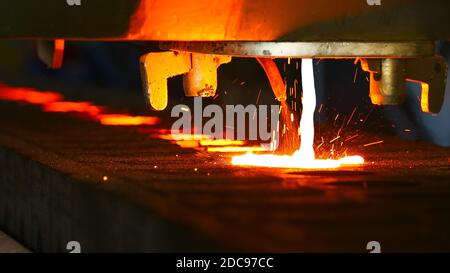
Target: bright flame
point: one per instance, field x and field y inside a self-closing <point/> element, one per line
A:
<point x="295" y="161"/>
<point x="304" y="158"/>
<point x="309" y="106"/>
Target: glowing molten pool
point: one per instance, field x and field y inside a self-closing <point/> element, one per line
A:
<point x="304" y="158"/>
<point x="294" y="161"/>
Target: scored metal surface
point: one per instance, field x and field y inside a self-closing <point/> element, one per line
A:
<point x="401" y="198"/>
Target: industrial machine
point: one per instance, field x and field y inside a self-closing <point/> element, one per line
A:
<point x="394" y="40"/>
<point x="78" y="169"/>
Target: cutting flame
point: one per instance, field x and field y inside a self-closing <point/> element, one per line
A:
<point x="304" y="158"/>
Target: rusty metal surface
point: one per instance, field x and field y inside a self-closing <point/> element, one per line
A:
<point x="400" y="198"/>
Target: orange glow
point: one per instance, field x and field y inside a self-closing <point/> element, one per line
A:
<point x="295" y="161"/>
<point x="236" y="20"/>
<point x="187" y="143"/>
<point x="373" y="143"/>
<point x="176" y="136"/>
<point x="424" y="100"/>
<point x="183" y="138"/>
<point x="274" y="76"/>
<point x="236" y="149"/>
<point x="54" y="102"/>
<point x="69" y="106"/>
<point x="58" y="53"/>
<point x="221" y="142"/>
<point x="206" y="142"/>
<point x="185" y="20"/>
<point x="27" y="95"/>
<point x="126" y="120"/>
<point x="304" y="158"/>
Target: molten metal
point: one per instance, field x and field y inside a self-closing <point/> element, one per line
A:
<point x="55" y="102"/>
<point x="126" y="120"/>
<point x="203" y="142"/>
<point x="304" y="158"/>
<point x="295" y="161"/>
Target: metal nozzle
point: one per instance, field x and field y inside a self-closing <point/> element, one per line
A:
<point x="274" y="76"/>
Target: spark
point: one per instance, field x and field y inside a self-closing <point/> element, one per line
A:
<point x="305" y="156"/>
<point x="356" y="74"/>
<point x="334" y="139"/>
<point x="368" y="114"/>
<point x="259" y="95"/>
<point x="373" y="143"/>
<point x="351" y="116"/>
<point x="351" y="137"/>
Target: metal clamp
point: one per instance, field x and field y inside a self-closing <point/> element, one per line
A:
<point x="200" y="74"/>
<point x="388" y="80"/>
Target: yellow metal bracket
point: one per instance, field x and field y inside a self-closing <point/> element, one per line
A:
<point x="200" y="74"/>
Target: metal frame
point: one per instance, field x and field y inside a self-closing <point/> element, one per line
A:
<point x="350" y="49"/>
